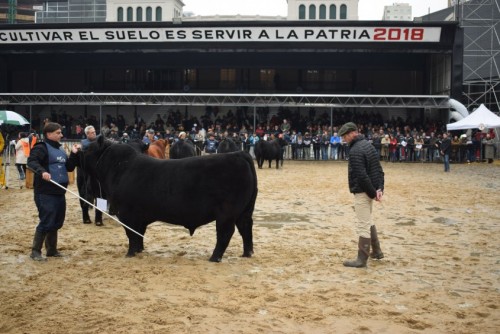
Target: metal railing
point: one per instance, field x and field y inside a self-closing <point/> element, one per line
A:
<point x="205" y="99"/>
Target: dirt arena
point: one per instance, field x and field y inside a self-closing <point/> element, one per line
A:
<point x="441" y="274"/>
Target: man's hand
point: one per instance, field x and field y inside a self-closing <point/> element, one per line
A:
<point x="76" y="148"/>
<point x="46" y="176"/>
<point x="380" y="193"/>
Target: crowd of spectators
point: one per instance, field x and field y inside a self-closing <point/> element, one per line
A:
<point x="311" y="135"/>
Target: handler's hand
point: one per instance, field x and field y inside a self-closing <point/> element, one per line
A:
<point x="76" y="148"/>
<point x="380" y="193"/>
<point x="46" y="176"/>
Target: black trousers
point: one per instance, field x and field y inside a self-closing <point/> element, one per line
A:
<point x="51" y="212"/>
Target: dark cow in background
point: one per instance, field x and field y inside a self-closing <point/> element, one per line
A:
<point x="227" y="145"/>
<point x="138" y="145"/>
<point x="269" y="150"/>
<point x="182" y="149"/>
<point x="187" y="192"/>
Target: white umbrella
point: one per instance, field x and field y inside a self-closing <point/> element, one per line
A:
<point x="12" y="118"/>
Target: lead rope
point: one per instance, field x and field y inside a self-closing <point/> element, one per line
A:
<point x="95" y="207"/>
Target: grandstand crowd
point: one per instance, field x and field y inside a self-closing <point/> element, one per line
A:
<point x="310" y="135"/>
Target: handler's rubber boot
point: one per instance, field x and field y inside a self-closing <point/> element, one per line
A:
<point x="36" y="249"/>
<point x="363" y="253"/>
<point x="376" y="250"/>
<point x="51" y="245"/>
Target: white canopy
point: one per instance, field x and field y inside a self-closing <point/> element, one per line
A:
<point x="481" y="118"/>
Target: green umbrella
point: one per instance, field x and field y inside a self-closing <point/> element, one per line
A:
<point x="12" y="118"/>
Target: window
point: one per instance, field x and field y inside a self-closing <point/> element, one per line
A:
<point x="312" y="79"/>
<point x="267" y="79"/>
<point x="190" y="77"/>
<point x="312" y="12"/>
<point x="149" y="14"/>
<point x="130" y="14"/>
<point x="333" y="12"/>
<point x="138" y="15"/>
<point x="302" y="12"/>
<point x="343" y="12"/>
<point x="120" y="14"/>
<point x="227" y="78"/>
<point x="322" y="12"/>
<point x="158" y="14"/>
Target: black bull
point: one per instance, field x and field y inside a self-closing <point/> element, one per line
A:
<point x="182" y="149"/>
<point x="269" y="150"/>
<point x="189" y="192"/>
<point x="227" y="145"/>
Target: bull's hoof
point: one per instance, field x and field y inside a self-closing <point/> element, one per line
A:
<point x="129" y="254"/>
<point x="87" y="221"/>
<point x="215" y="259"/>
<point x="247" y="254"/>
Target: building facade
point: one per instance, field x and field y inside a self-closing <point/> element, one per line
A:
<point x="19" y="11"/>
<point x="80" y="11"/>
<point x="72" y="11"/>
<point x="397" y="12"/>
<point x="322" y="10"/>
<point x="152" y="10"/>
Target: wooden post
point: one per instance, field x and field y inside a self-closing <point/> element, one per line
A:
<point x="29" y="179"/>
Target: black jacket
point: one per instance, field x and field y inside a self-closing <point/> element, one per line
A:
<point x="38" y="162"/>
<point x="365" y="172"/>
<point x="445" y="146"/>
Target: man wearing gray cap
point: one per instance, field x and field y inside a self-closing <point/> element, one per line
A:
<point x="366" y="182"/>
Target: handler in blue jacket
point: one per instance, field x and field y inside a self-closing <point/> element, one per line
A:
<point x="49" y="162"/>
<point x="366" y="182"/>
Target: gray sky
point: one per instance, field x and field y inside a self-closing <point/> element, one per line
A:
<point x="368" y="9"/>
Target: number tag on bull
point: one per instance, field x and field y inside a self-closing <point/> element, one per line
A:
<point x="102" y="204"/>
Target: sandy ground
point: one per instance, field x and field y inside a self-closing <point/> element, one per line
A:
<point x="441" y="273"/>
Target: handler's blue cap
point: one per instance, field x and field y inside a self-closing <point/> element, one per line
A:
<point x="346" y="128"/>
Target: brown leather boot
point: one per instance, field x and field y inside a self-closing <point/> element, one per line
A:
<point x="363" y="253"/>
<point x="376" y="250"/>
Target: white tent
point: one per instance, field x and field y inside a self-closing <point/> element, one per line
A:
<point x="481" y="118"/>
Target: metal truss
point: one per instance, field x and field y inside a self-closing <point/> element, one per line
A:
<point x="249" y="100"/>
<point x="481" y="22"/>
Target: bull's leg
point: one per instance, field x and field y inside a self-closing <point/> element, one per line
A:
<point x="98" y="217"/>
<point x="134" y="243"/>
<point x="225" y="230"/>
<point x="277" y="163"/>
<point x="270" y="162"/>
<point x="141" y="240"/>
<point x="244" y="226"/>
<point x="260" y="162"/>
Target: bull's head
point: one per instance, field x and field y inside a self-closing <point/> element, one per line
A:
<point x="90" y="164"/>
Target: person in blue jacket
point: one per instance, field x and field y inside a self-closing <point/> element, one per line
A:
<point x="49" y="162"/>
